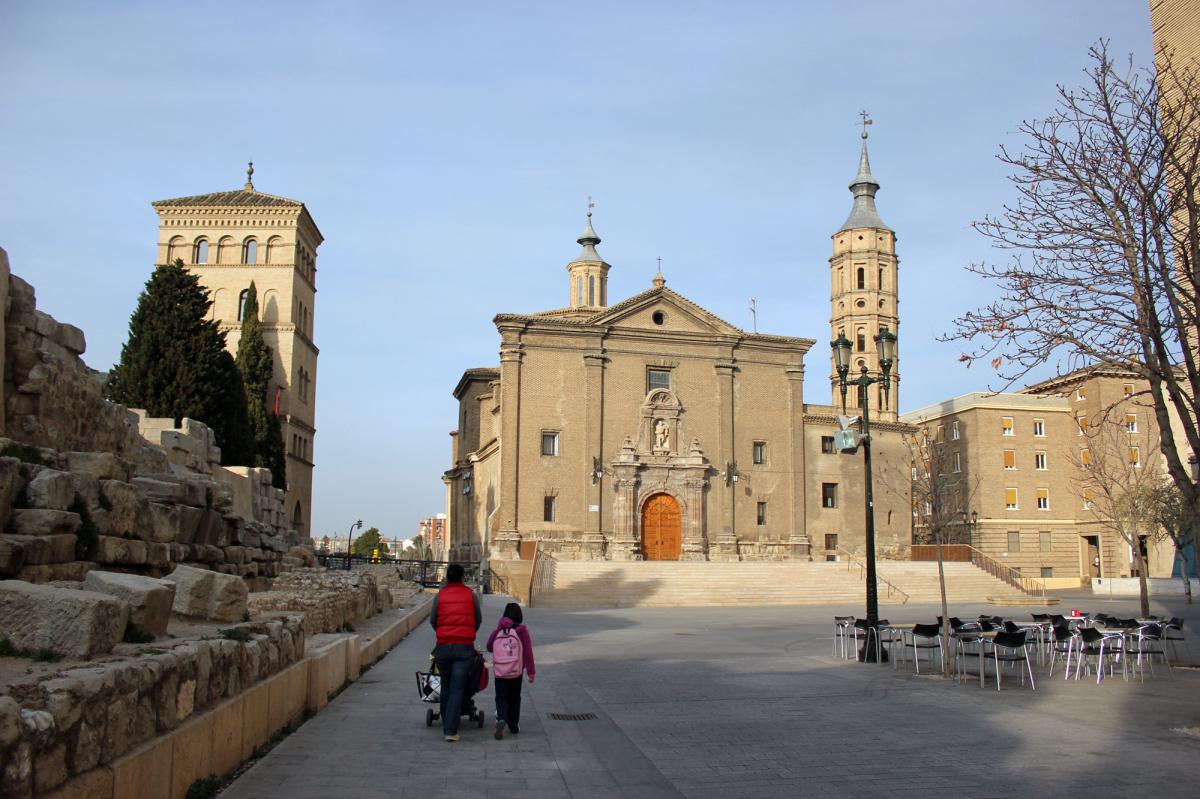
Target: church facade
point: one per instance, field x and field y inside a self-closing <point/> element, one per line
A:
<point x="653" y="429"/>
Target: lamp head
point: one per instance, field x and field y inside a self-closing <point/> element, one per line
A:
<point x="841" y="354"/>
<point x="885" y="344"/>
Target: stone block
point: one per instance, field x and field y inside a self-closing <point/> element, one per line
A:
<point x="101" y="465"/>
<point x="95" y="784"/>
<point x="10" y="483"/>
<point x="145" y="773"/>
<point x="45" y="549"/>
<point x="159" y="490"/>
<point x="277" y="707"/>
<point x="192" y="756"/>
<point x="10" y="722"/>
<point x="12" y="555"/>
<point x="127" y="510"/>
<point x="187" y="522"/>
<point x="158" y="555"/>
<point x="227" y="737"/>
<point x="212" y="530"/>
<point x="77" y="623"/>
<point x="50" y="489"/>
<point x="38" y="521"/>
<point x="205" y="594"/>
<point x="256" y="719"/>
<point x="149" y="600"/>
<point x="71" y="572"/>
<point x="124" y="551"/>
<point x="50" y="767"/>
<point x="164" y="521"/>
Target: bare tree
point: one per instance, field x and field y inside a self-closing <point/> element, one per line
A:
<point x="1174" y="518"/>
<point x="941" y="495"/>
<point x="1120" y="476"/>
<point x="1104" y="238"/>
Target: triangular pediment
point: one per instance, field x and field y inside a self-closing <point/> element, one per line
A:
<point x="663" y="310"/>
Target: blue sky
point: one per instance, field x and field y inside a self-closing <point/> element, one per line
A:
<point x="446" y="150"/>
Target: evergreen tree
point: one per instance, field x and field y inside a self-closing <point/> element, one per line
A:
<point x="255" y="362"/>
<point x="175" y="363"/>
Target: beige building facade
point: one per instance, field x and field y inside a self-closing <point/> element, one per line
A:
<point x="653" y="429"/>
<point x="229" y="239"/>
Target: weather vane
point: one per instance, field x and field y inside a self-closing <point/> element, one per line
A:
<point x="591" y="205"/>
<point x="866" y="120"/>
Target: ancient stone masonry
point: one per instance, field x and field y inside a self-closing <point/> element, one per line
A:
<point x="330" y="600"/>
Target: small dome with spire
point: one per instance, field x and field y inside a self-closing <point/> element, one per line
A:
<point x="863" y="213"/>
<point x="588" y="240"/>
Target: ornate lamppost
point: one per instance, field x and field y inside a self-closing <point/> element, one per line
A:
<point x="885" y="344"/>
<point x="349" y="539"/>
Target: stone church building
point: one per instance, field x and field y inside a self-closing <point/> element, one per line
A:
<point x="653" y="429"/>
<point x="228" y="239"/>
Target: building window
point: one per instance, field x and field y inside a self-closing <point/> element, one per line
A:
<point x="828" y="495"/>
<point x="548" y="509"/>
<point x="1135" y="457"/>
<point x="591" y="290"/>
<point x="941" y="434"/>
<point x="954" y="431"/>
<point x="250" y="252"/>
<point x="1006" y="425"/>
<point x="1010" y="499"/>
<point x="200" y="254"/>
<point x="1089" y="501"/>
<point x="957" y="462"/>
<point x="245" y="295"/>
<point x="1044" y="541"/>
<point x="827" y="445"/>
<point x="549" y="443"/>
<point x="1010" y="459"/>
<point x="831" y="541"/>
<point x="1080" y="393"/>
<point x="1014" y="541"/>
<point x="862" y="278"/>
<point x="1047" y="571"/>
<point x="297" y="515"/>
<point x="1128" y="389"/>
<point x="880" y="278"/>
<point x="760" y="452"/>
<point x="1039" y="461"/>
<point x="1043" y="499"/>
<point x="1131" y="423"/>
<point x="580" y="291"/>
<point x="1081" y="421"/>
<point x="657" y="378"/>
<point x="1085" y="458"/>
<point x="762" y="513"/>
<point x="1039" y="428"/>
<point x="861" y="340"/>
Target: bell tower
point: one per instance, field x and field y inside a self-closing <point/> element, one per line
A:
<point x="588" y="272"/>
<point x="865" y="271"/>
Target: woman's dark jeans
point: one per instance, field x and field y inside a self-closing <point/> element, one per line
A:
<point x="453" y="663"/>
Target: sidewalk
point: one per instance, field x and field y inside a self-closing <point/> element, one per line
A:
<point x="728" y="702"/>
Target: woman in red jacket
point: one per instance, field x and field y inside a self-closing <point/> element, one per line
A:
<point x="456" y="617"/>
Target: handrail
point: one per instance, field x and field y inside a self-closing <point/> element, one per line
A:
<point x="879" y="578"/>
<point x="1026" y="585"/>
<point x="533" y="573"/>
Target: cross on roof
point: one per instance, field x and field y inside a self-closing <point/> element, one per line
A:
<point x="866" y="120"/>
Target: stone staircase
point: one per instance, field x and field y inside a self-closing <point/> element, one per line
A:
<point x="609" y="584"/>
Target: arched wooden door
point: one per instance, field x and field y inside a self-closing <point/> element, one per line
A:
<point x="661" y="528"/>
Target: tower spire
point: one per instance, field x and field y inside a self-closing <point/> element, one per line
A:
<point x="863" y="213"/>
<point x="588" y="271"/>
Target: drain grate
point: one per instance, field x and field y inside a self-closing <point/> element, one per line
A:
<point x="572" y="716"/>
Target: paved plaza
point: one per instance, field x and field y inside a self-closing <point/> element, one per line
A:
<point x="729" y="702"/>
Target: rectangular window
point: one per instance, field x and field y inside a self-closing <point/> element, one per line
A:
<point x="1044" y="541"/>
<point x="1047" y="571"/>
<point x="1006" y="425"/>
<point x="827" y="445"/>
<point x="1039" y="461"/>
<point x="1043" y="499"/>
<point x="549" y="443"/>
<point x="1010" y="459"/>
<point x="1014" y="541"/>
<point x="762" y="513"/>
<point x="828" y="495"/>
<point x="1131" y="423"/>
<point x="954" y="431"/>
<point x="957" y="462"/>
<point x="1080" y="393"/>
<point x="941" y="433"/>
<point x="1128" y="389"/>
<point x="657" y="378"/>
<point x="1010" y="499"/>
<point x="1082" y="422"/>
<point x="831" y="540"/>
<point x="1088" y="499"/>
<point x="548" y="509"/>
<point x="760" y="452"/>
<point x="1135" y="457"/>
<point x="1085" y="458"/>
<point x="1039" y="428"/>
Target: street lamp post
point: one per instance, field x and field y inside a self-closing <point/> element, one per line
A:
<point x="349" y="540"/>
<point x="885" y="344"/>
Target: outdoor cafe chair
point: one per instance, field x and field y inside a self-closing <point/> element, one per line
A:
<point x="1012" y="647"/>
<point x="968" y="642"/>
<point x="862" y="631"/>
<point x="841" y="634"/>
<point x="889" y="637"/>
<point x="1147" y="642"/>
<point x="1096" y="645"/>
<point x="927" y="637"/>
<point x="1172" y="632"/>
<point x="1062" y="645"/>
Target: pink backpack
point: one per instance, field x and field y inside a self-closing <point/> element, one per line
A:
<point x="508" y="656"/>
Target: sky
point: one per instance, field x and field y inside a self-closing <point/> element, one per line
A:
<point x="447" y="151"/>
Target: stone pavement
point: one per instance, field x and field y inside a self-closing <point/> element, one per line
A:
<point x="729" y="702"/>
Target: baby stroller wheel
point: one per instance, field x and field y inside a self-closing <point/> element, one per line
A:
<point x="429" y="717"/>
<point x="479" y="719"/>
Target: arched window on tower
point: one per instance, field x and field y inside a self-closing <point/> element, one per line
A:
<point x="250" y="252"/>
<point x="274" y="250"/>
<point x="881" y="278"/>
<point x="862" y="278"/>
<point x="861" y="340"/>
<point x="176" y="249"/>
<point x="297" y="515"/>
<point x="200" y="254"/>
<point x="245" y="295"/>
<point x="591" y="290"/>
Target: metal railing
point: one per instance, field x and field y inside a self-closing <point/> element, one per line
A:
<point x="428" y="573"/>
<point x="852" y="561"/>
<point x="1026" y="585"/>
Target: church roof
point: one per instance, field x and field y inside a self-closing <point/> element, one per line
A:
<point x="226" y="199"/>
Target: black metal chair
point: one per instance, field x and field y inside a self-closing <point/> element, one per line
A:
<point x="1063" y="641"/>
<point x="1172" y="632"/>
<point x="968" y="642"/>
<point x="1011" y="647"/>
<point x="1097" y="645"/>
<point x="841" y="634"/>
<point x="868" y="635"/>
<point x="924" y="636"/>
<point x="1147" y="642"/>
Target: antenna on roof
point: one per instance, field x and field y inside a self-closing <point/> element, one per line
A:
<point x="754" y="313"/>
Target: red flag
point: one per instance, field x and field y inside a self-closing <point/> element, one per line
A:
<point x="276" y="400"/>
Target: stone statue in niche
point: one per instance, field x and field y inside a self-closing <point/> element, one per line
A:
<point x="662" y="435"/>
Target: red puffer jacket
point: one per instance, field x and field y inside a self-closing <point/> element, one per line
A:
<point x="456" y="615"/>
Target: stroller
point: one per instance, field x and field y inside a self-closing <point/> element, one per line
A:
<point x="429" y="689"/>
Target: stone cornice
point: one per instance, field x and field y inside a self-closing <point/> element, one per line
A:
<point x="831" y="421"/>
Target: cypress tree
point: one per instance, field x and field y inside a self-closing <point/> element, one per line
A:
<point x="174" y="363"/>
<point x="255" y="362"/>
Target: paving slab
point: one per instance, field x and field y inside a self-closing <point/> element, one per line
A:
<point x="731" y="702"/>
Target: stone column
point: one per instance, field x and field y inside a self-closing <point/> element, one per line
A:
<point x="593" y="491"/>
<point x="726" y="544"/>
<point x="624" y="544"/>
<point x="693" y="534"/>
<point x="505" y="543"/>
<point x="799" y="544"/>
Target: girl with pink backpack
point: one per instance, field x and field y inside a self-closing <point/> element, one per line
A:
<point x="512" y="655"/>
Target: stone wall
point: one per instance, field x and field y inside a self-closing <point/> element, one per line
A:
<point x="330" y="600"/>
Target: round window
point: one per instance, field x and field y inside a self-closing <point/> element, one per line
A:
<point x="659" y="317"/>
<point x="861" y="304"/>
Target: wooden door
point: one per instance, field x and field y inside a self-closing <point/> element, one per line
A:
<point x="661" y="528"/>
